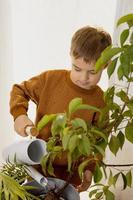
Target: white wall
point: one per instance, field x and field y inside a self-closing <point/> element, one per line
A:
<point x="35" y="36"/>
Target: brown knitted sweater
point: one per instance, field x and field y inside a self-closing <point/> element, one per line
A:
<point x="52" y="91"/>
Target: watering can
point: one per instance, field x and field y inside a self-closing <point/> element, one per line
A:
<point x="29" y="152"/>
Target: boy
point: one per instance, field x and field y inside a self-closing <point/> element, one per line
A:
<point x="52" y="91"/>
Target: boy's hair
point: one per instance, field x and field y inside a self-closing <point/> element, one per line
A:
<point x="89" y="42"/>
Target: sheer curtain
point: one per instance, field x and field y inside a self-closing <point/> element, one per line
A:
<point x="125" y="156"/>
<point x="35" y="36"/>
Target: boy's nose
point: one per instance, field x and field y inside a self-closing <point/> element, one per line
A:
<point x="84" y="77"/>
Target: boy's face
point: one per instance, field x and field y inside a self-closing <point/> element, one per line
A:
<point x="83" y="74"/>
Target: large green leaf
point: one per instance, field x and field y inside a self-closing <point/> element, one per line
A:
<point x="73" y="105"/>
<point x="106" y="56"/>
<point x="45" y="120"/>
<point x="126" y="18"/>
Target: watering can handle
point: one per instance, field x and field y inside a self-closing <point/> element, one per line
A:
<point x="31" y="131"/>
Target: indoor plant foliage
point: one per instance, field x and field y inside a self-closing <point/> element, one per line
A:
<point x="85" y="143"/>
<point x="12" y="175"/>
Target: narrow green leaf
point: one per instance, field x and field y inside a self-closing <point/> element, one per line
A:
<point x="111" y="67"/>
<point x="129" y="178"/>
<point x="114" y="144"/>
<point x="97" y="174"/>
<point x="93" y="192"/>
<point x="82" y="167"/>
<point x="124" y="36"/>
<point x="88" y="107"/>
<point x="130" y="106"/>
<point x="124" y="181"/>
<point x="120" y="72"/>
<point x="121" y="139"/>
<point x="129" y="133"/>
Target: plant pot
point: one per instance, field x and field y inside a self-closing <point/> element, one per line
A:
<point x="54" y="184"/>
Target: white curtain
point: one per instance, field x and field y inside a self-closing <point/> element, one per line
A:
<point x="125" y="156"/>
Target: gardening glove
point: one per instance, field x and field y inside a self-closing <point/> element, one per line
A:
<point x="24" y="126"/>
<point x="86" y="182"/>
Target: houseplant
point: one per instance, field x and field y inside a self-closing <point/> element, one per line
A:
<point x="92" y="138"/>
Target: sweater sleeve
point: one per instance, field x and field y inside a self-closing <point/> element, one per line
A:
<point x="22" y="93"/>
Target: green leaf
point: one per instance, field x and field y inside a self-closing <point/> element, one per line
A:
<point x="93" y="192"/>
<point x="114" y="144"/>
<point x="58" y="124"/>
<point x="84" y="145"/>
<point x="106" y="56"/>
<point x="88" y="107"/>
<point x="97" y="174"/>
<point x="73" y="105"/>
<point x="65" y="139"/>
<point x="111" y="67"/>
<point x="98" y="195"/>
<point x="124" y="181"/>
<point x="73" y="142"/>
<point x="125" y="18"/>
<point x="115" y="178"/>
<point x="110" y="180"/>
<point x="131" y="38"/>
<point x="99" y="133"/>
<point x="121" y="139"/>
<point x="129" y="178"/>
<point x="109" y="195"/>
<point x="122" y="94"/>
<point x="130" y="106"/>
<point x="77" y="122"/>
<point x="124" y="36"/>
<point x="120" y="72"/>
<point x="82" y="167"/>
<point x="129" y="133"/>
<point x="100" y="150"/>
<point x="45" y="120"/>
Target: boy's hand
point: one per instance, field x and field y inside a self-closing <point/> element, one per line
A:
<point x="86" y="182"/>
<point x="22" y="123"/>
